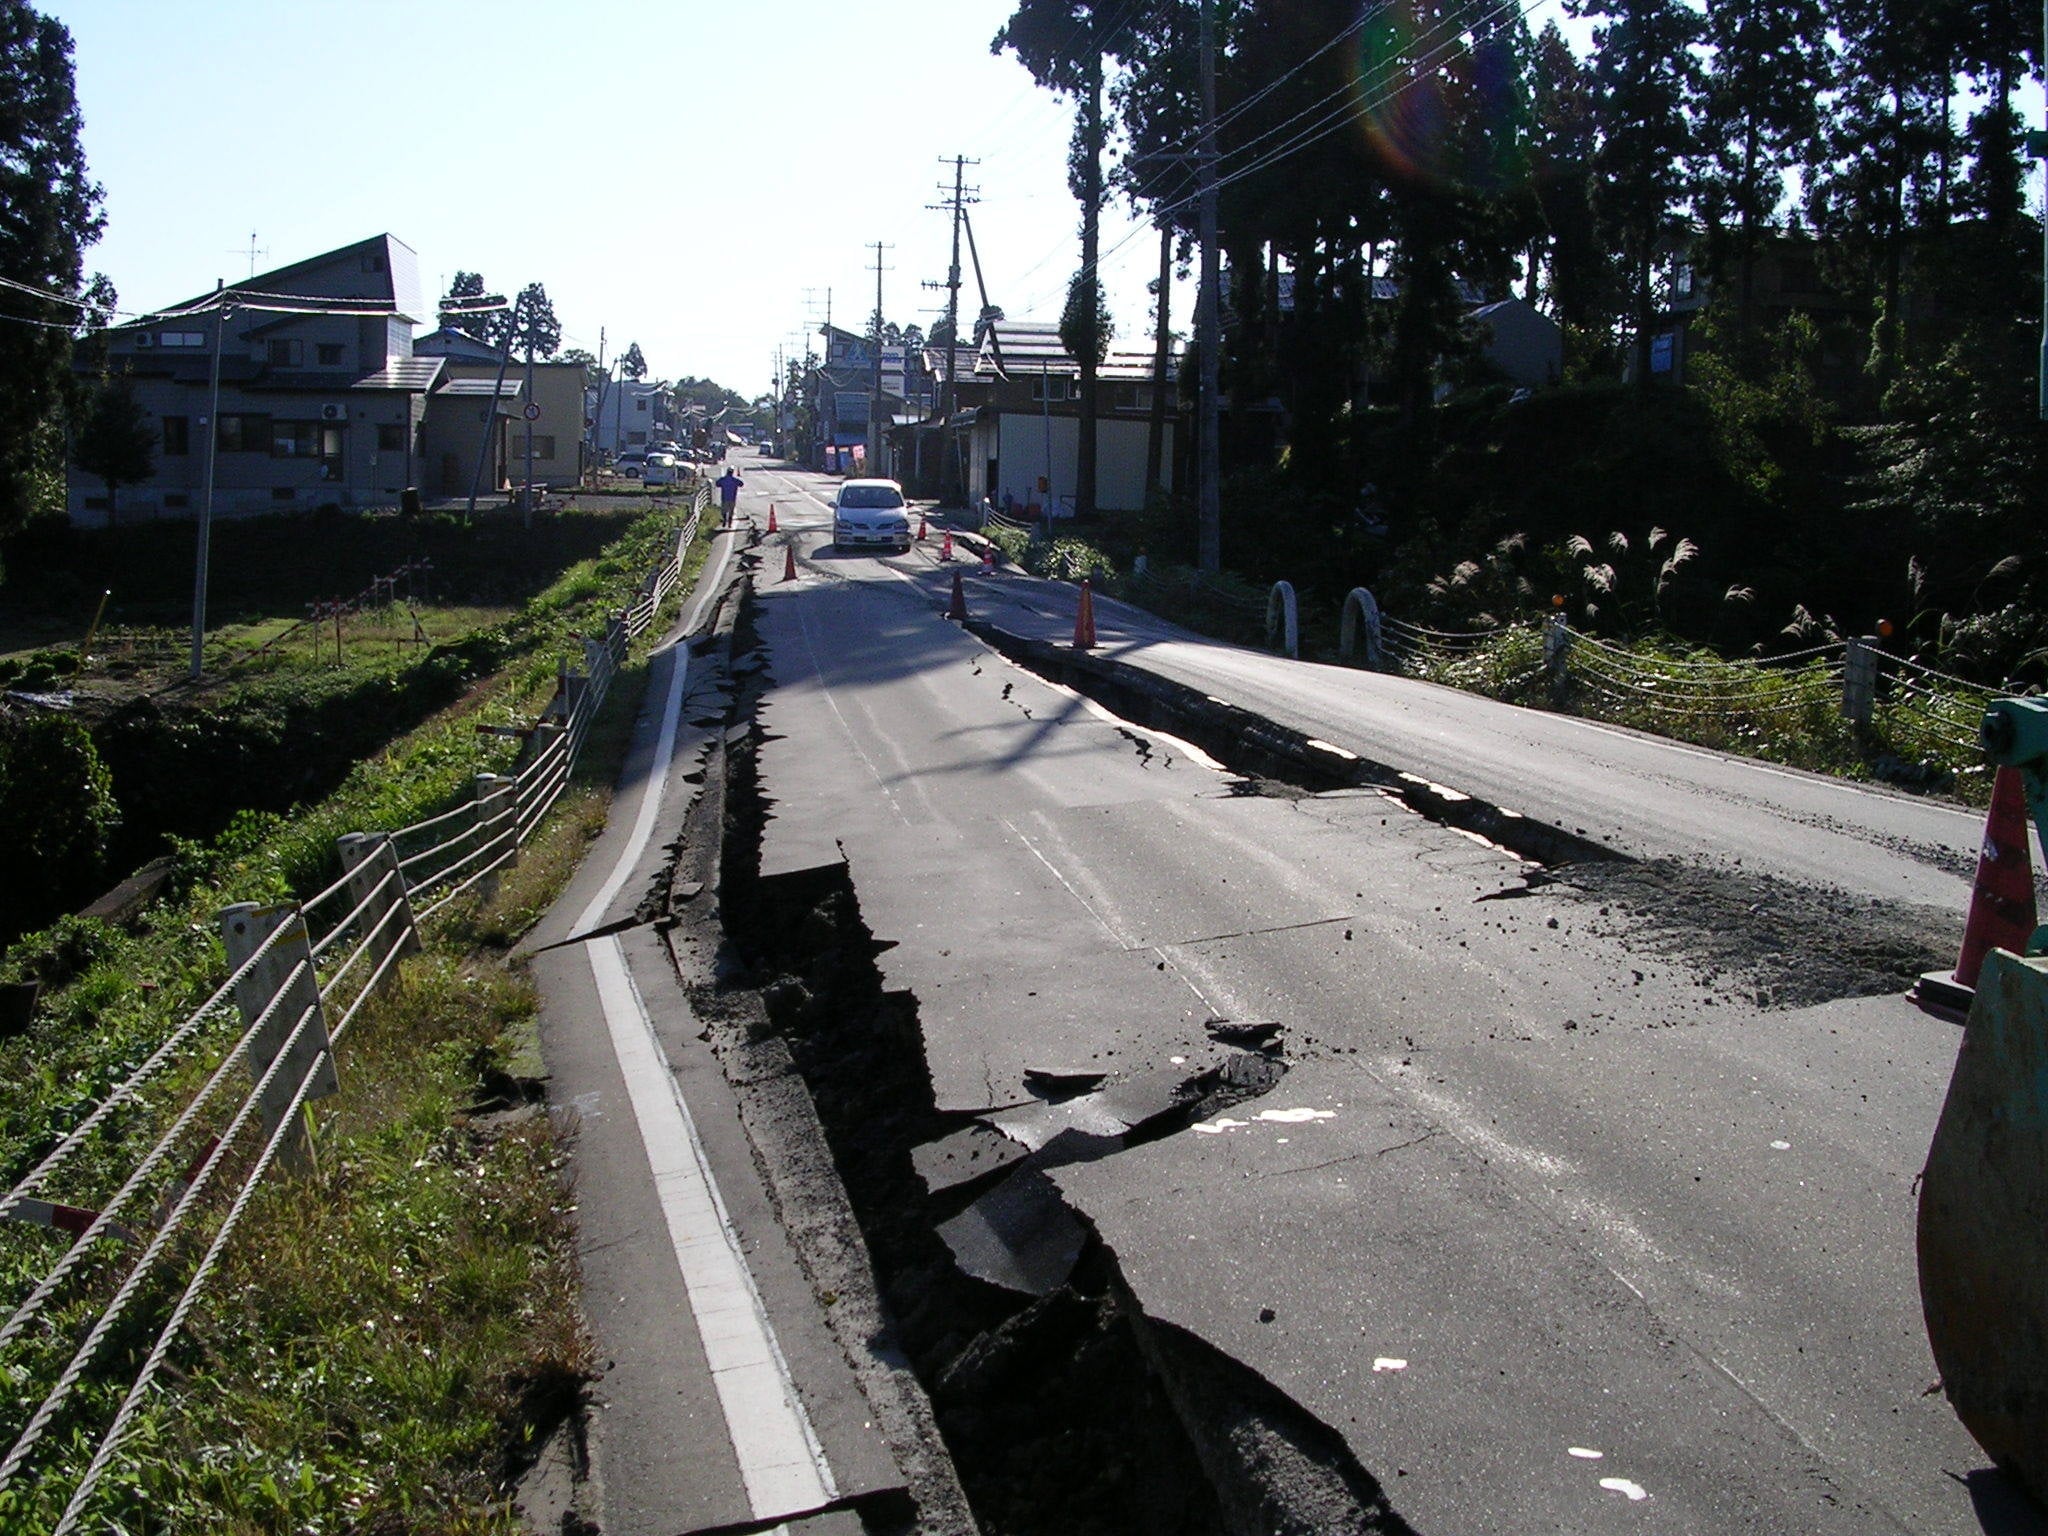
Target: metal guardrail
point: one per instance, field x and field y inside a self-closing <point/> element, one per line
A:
<point x="300" y="975"/>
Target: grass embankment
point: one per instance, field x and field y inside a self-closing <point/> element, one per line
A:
<point x="284" y="729"/>
<point x="391" y="1327"/>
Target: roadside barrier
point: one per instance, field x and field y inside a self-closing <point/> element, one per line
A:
<point x="300" y="974"/>
<point x="1925" y="714"/>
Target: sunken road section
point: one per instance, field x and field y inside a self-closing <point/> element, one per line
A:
<point x="1063" y="1409"/>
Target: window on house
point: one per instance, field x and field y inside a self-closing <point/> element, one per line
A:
<point x="330" y="354"/>
<point x="177" y="432"/>
<point x="295" y="440"/>
<point x="1134" y="397"/>
<point x="244" y="433"/>
<point x="636" y="439"/>
<point x="1051" y="387"/>
<point x="640" y="405"/>
<point x="284" y="352"/>
<point x="391" y="437"/>
<point x="181" y="338"/>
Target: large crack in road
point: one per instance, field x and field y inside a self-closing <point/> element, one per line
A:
<point x="1062" y="1407"/>
<point x="1765" y="941"/>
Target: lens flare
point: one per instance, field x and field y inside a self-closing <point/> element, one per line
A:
<point x="1436" y="107"/>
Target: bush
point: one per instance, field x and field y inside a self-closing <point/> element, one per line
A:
<point x="57" y="812"/>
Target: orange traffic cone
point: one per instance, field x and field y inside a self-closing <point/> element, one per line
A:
<point x="2001" y="900"/>
<point x="946" y="549"/>
<point x="771" y="518"/>
<point x="920" y="529"/>
<point x="1084" y="619"/>
<point x="958" y="610"/>
<point x="789" y="562"/>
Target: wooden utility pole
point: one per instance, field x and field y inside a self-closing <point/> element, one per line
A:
<point x="1090" y="282"/>
<point x="1162" y="344"/>
<point x="1208" y="515"/>
<point x="875" y="394"/>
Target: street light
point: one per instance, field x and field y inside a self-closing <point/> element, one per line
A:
<point x="485" y="304"/>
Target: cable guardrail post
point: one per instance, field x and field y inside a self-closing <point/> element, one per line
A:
<point x="281" y="984"/>
<point x="497" y="803"/>
<point x="1361" y="623"/>
<point x="1557" y="652"/>
<point x="377" y="885"/>
<point x="1283" y="619"/>
<point x="1859" y="679"/>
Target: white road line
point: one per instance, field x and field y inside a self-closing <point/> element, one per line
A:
<point x="650" y="794"/>
<point x="780" y="1459"/>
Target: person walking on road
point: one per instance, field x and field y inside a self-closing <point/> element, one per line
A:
<point x="728" y="493"/>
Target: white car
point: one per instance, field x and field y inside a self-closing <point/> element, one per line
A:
<point x="871" y="514"/>
<point x="661" y="470"/>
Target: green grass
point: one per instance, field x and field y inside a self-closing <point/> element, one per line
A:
<point x="392" y="1328"/>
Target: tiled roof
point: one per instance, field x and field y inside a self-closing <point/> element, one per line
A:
<point x="481" y="388"/>
<point x="417" y="374"/>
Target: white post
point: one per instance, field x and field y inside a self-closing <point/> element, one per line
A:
<point x="497" y="803"/>
<point x="371" y="859"/>
<point x="284" y="974"/>
<point x="1283" y="619"/>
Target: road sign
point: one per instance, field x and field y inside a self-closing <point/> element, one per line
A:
<point x="532" y="411"/>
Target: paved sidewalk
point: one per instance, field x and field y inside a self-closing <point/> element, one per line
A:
<point x="725" y="1402"/>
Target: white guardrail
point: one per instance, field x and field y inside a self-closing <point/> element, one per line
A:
<point x="301" y="974"/>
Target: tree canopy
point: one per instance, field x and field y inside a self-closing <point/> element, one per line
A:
<point x="50" y="213"/>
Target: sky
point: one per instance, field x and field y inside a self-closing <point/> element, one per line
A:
<point x="699" y="177"/>
<point x="694" y="176"/>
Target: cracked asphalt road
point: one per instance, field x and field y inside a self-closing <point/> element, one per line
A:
<point x="1571" y="1214"/>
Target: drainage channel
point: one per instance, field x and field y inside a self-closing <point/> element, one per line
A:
<point x="1060" y="1407"/>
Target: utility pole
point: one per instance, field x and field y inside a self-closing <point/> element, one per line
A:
<point x="1208" y="506"/>
<point x="2038" y="143"/>
<point x="220" y="320"/>
<point x="600" y="389"/>
<point x="526" y="495"/>
<point x="483" y="452"/>
<point x="875" y="394"/>
<point x="957" y="205"/>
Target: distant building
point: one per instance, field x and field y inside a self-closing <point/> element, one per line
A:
<point x="459" y="413"/>
<point x="627" y="413"/>
<point x="1023" y="436"/>
<point x="322" y="399"/>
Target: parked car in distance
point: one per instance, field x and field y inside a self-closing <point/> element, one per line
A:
<point x="661" y="469"/>
<point x="631" y="463"/>
<point x="871" y="514"/>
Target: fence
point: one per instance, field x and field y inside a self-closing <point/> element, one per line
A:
<point x="300" y="976"/>
<point x="1920" y="710"/>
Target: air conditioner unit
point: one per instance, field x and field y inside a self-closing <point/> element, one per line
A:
<point x="145" y="339"/>
<point x="334" y="413"/>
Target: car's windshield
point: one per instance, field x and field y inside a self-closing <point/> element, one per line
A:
<point x="870" y="496"/>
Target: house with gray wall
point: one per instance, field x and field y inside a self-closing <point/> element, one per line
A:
<point x="321" y="399"/>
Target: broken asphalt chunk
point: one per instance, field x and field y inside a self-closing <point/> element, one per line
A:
<point x="1260" y="1037"/>
<point x="1020" y="1236"/>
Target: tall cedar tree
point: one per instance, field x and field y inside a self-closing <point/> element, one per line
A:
<point x="114" y="439"/>
<point x="1063" y="43"/>
<point x="1874" y="173"/>
<point x="1648" y="83"/>
<point x="633" y="364"/>
<point x="1768" y="70"/>
<point x="1576" y="274"/>
<point x="52" y="212"/>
